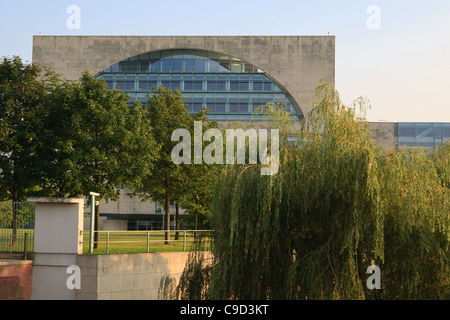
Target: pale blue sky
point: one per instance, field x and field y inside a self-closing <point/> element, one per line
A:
<point x="403" y="67"/>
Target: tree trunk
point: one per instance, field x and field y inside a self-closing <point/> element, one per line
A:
<point x="97" y="225"/>
<point x="177" y="221"/>
<point x="167" y="210"/>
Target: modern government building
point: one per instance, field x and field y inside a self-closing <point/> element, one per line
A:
<point x="230" y="75"/>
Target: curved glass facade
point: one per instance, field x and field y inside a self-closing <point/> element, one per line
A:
<point x="229" y="87"/>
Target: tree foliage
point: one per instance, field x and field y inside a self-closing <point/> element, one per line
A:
<point x="95" y="140"/>
<point x="338" y="204"/>
<point x="22" y="114"/>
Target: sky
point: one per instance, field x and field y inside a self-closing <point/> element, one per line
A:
<point x="393" y="53"/>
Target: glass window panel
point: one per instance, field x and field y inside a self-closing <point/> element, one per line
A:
<point x="234" y="85"/>
<point x="197" y="106"/>
<point x="407" y="131"/>
<point x="220" y="107"/>
<point x="152" y="84"/>
<point x="189" y="65"/>
<point x="143" y="85"/>
<point x="224" y="66"/>
<point x="129" y="66"/>
<point x="143" y="66"/>
<point x="200" y="65"/>
<point x="155" y="55"/>
<point x="166" y="84"/>
<point x="257" y="86"/>
<point x="156" y="66"/>
<point x="267" y="86"/>
<point x="177" y="65"/>
<point x="213" y="66"/>
<point x="175" y="85"/>
<point x="211" y="86"/>
<point x="115" y="68"/>
<point x="166" y="65"/>
<point x="234" y="107"/>
<point x="243" y="86"/>
<point x="243" y="108"/>
<point x="236" y="67"/>
<point x="221" y="85"/>
<point x="189" y="85"/>
<point x="446" y="132"/>
<point x="438" y="133"/>
<point x="424" y="130"/>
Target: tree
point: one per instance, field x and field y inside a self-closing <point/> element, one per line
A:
<point x="166" y="113"/>
<point x="338" y="203"/>
<point x="170" y="182"/>
<point x="95" y="140"/>
<point x="22" y="118"/>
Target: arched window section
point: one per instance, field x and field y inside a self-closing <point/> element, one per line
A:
<point x="229" y="87"/>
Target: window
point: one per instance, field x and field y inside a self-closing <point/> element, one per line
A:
<point x="193" y="85"/>
<point x="222" y="83"/>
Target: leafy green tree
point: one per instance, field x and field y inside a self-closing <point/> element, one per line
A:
<point x="166" y="113"/>
<point x="95" y="140"/>
<point x="22" y="118"/>
<point x="170" y="182"/>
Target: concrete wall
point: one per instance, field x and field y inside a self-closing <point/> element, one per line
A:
<point x="57" y="243"/>
<point x="296" y="63"/>
<point x="15" y="280"/>
<point x="383" y="134"/>
<point x="127" y="276"/>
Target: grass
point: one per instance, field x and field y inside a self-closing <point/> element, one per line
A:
<point x="119" y="242"/>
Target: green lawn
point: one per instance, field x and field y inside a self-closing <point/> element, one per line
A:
<point x="118" y="242"/>
<point x="136" y="242"/>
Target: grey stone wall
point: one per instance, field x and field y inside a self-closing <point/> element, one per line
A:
<point x="296" y="63"/>
<point x="127" y="276"/>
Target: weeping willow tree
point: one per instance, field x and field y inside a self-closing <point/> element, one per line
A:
<point x="338" y="204"/>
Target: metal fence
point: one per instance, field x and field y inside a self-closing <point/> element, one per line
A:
<point x="148" y="241"/>
<point x="17" y="227"/>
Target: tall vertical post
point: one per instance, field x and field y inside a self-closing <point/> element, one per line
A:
<point x="91" y="233"/>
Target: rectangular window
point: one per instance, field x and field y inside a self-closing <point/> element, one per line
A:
<point x="446" y="132"/>
<point x="220" y="107"/>
<point x="193" y="85"/>
<point x="438" y="133"/>
<point x="125" y="85"/>
<point x="200" y="65"/>
<point x="407" y="131"/>
<point x="143" y="85"/>
<point x="156" y="66"/>
<point x="177" y="65"/>
<point x="257" y="86"/>
<point x="143" y="66"/>
<point x="166" y="65"/>
<point x="189" y="65"/>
